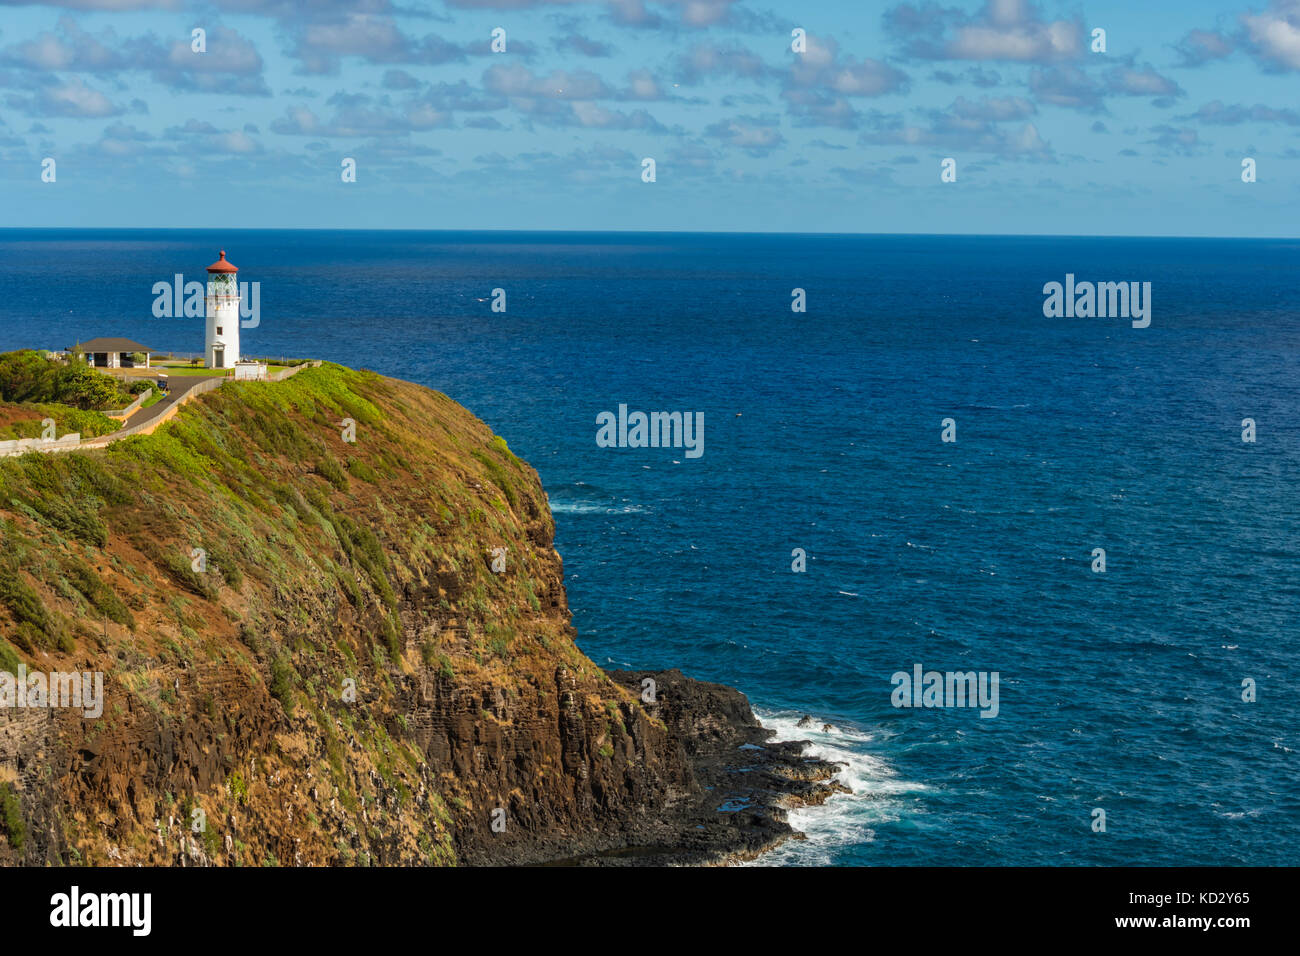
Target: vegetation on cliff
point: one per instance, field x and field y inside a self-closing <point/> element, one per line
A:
<point x="308" y="654"/>
<point x="28" y="377"/>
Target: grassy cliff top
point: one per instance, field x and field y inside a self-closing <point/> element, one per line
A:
<point x="234" y="571"/>
<point x="259" y="477"/>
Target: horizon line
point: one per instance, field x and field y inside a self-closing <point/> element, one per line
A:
<point x="648" y="232"/>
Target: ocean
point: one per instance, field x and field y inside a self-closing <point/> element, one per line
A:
<point x="1120" y="691"/>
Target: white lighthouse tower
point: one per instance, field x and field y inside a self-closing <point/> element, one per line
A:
<point x="222" y="310"/>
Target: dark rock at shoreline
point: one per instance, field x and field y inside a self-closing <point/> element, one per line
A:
<point x="743" y="783"/>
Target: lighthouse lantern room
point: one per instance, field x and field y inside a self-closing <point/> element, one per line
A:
<point x="222" y="310"/>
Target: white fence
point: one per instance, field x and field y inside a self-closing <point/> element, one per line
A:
<point x="20" y="446"/>
<point x="126" y="412"/>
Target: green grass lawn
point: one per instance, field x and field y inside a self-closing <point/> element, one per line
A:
<point x="153" y="399"/>
<point x="200" y="370"/>
<point x="187" y="370"/>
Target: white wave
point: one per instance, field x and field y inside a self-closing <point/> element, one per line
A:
<point x="846" y="819"/>
<point x="593" y="508"/>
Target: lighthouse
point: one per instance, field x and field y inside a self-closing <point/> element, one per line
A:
<point x="222" y="310"/>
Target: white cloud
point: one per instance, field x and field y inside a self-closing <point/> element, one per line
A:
<point x="1274" y="34"/>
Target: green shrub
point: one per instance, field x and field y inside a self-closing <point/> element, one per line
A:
<point x="500" y="477"/>
<point x="499" y="640"/>
<point x="220" y="559"/>
<point x="329" y="469"/>
<point x="100" y="596"/>
<point x="27" y="376"/>
<point x="37" y="627"/>
<point x="238" y="787"/>
<point x="82" y="386"/>
<point x="362" y="547"/>
<point x="11" y="817"/>
<point x="498" y="444"/>
<point x="248" y="637"/>
<point x="88" y="424"/>
<point x="392" y="638"/>
<point x="9" y="660"/>
<point x="359" y="469"/>
<point x="181" y="570"/>
<point x="282" y="679"/>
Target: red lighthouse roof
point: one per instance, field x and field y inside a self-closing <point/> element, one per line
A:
<point x="221" y="265"/>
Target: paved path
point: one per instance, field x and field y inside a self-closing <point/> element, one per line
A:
<point x="179" y="386"/>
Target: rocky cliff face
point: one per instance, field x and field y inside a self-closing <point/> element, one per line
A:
<point x="319" y="650"/>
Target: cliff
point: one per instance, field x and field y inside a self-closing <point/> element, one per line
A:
<point x="308" y="656"/>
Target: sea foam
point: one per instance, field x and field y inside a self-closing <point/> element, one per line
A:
<point x="845" y="819"/>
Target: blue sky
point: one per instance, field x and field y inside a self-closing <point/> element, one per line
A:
<point x="1049" y="137"/>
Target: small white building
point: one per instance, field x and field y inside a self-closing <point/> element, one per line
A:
<point x="115" y="353"/>
<point x="222" y="310"/>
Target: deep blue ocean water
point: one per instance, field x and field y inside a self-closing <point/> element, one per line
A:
<point x="1119" y="691"/>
